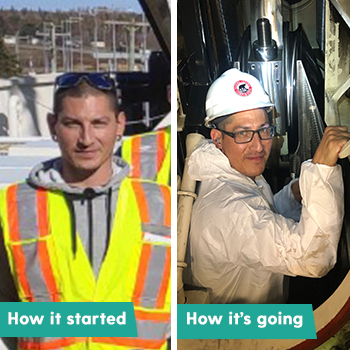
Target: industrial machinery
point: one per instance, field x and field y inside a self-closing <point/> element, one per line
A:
<point x="299" y="51"/>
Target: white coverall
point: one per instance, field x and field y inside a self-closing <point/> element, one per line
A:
<point x="241" y="245"/>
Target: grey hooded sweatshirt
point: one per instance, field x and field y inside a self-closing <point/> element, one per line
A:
<point x="93" y="212"/>
<point x="92" y="208"/>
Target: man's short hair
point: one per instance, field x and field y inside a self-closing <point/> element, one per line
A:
<point x="221" y="122"/>
<point x="80" y="90"/>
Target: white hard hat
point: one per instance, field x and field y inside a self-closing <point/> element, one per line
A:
<point x="234" y="91"/>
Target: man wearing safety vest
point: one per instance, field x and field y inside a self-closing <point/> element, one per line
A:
<point x="82" y="227"/>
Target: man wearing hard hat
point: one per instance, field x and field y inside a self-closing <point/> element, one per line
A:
<point x="242" y="239"/>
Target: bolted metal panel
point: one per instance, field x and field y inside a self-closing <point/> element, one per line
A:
<point x="270" y="76"/>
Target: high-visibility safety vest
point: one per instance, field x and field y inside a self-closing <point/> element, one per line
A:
<point x="148" y="155"/>
<point x="136" y="268"/>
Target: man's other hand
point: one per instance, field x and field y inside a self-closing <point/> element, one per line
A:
<point x="334" y="138"/>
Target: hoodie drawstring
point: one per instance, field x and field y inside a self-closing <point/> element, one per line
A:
<point x="73" y="226"/>
<point x="109" y="219"/>
<point x="89" y="194"/>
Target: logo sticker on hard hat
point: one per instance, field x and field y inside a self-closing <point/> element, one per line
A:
<point x="242" y="88"/>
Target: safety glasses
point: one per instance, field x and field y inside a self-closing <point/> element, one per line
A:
<point x="245" y="136"/>
<point x="101" y="81"/>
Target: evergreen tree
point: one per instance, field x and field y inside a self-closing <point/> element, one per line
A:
<point x="8" y="64"/>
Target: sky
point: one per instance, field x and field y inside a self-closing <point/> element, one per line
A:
<point x="52" y="5"/>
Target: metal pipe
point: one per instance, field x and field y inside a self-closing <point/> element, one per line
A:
<point x="184" y="211"/>
<point x="264" y="32"/>
<point x="265" y="49"/>
<point x="272" y="10"/>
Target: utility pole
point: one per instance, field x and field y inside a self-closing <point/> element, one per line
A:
<point x="67" y="45"/>
<point x="64" y="57"/>
<point x="132" y="31"/>
<point x="132" y="27"/>
<point x="54" y="52"/>
<point x="95" y="39"/>
<point x="71" y="55"/>
<point x="114" y="49"/>
<point x="113" y="25"/>
<point x="78" y="20"/>
<point x="81" y="43"/>
<point x="46" y="62"/>
<point x="144" y="44"/>
<point x="47" y="33"/>
<point x="63" y="35"/>
<point x="53" y="44"/>
<point x="18" y="38"/>
<point x="95" y="12"/>
<point x="67" y="62"/>
<point x="66" y="37"/>
<point x="44" y="35"/>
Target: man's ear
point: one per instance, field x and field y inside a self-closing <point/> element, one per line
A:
<point x="51" y="121"/>
<point x="121" y="120"/>
<point x="216" y="136"/>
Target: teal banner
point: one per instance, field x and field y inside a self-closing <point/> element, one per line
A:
<point x="67" y="320"/>
<point x="243" y="321"/>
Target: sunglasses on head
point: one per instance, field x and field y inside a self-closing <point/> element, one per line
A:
<point x="101" y="81"/>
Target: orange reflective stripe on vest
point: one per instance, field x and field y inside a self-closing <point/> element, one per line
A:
<point x="49" y="343"/>
<point x="160" y="150"/>
<point x="154" y="266"/>
<point x="131" y="342"/>
<point x="146" y="154"/>
<point x="165" y="280"/>
<point x="151" y="328"/>
<point x="32" y="261"/>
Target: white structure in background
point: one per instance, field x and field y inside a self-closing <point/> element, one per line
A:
<point x="24" y="104"/>
<point x="10" y="39"/>
<point x="24" y="135"/>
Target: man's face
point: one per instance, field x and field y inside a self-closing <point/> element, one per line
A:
<point x="248" y="158"/>
<point x="86" y="129"/>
